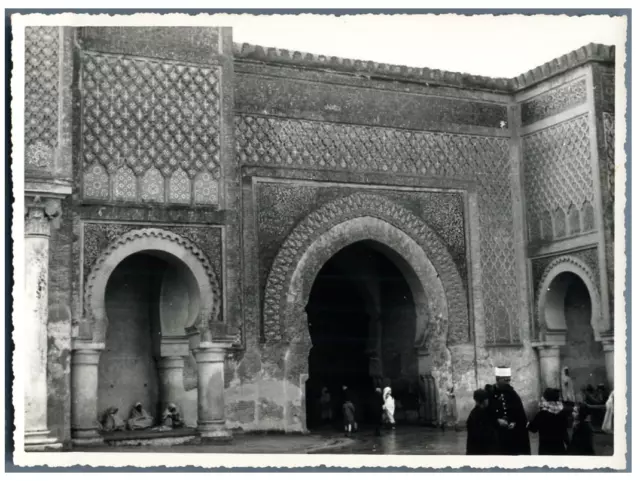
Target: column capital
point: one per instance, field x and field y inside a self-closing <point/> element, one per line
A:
<point x="43" y="208"/>
<point x="40" y="214"/>
<point x="215" y="351"/>
<point x="546" y="349"/>
<point x="83" y="352"/>
<point x="607" y="343"/>
<point x="170" y="362"/>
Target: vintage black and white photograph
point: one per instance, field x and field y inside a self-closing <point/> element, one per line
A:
<point x="330" y="240"/>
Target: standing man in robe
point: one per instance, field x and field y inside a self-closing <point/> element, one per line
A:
<point x="508" y="413"/>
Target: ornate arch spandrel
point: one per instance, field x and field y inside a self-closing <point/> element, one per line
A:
<point x="334" y="213"/>
<point x="162" y="243"/>
<point x="562" y="265"/>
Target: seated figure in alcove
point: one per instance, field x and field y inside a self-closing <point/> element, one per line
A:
<point x="139" y="418"/>
<point x="111" y="421"/>
<point x="171" y="417"/>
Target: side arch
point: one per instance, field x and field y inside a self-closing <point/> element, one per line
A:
<point x="551" y="294"/>
<point x="281" y="327"/>
<point x="163" y="244"/>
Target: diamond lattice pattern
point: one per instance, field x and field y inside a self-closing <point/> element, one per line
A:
<point x="324" y="145"/>
<point x="41" y="85"/>
<point x="147" y="114"/>
<point x="557" y="167"/>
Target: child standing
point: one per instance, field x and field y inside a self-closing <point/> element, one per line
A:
<point x="582" y="439"/>
<point x="349" y="415"/>
<point x="551" y="424"/>
<point x="482" y="437"/>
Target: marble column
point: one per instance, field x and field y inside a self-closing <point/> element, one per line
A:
<point x="607" y="347"/>
<point x="549" y="357"/>
<point x="39" y="214"/>
<point x="171" y="374"/>
<point x="85" y="357"/>
<point x="210" y="358"/>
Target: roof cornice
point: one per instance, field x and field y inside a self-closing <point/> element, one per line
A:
<point x="589" y="53"/>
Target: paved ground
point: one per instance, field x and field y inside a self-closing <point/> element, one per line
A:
<point x="405" y="440"/>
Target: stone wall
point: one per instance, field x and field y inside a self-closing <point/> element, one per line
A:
<point x="233" y="149"/>
<point x="320" y="134"/>
<point x="561" y="134"/>
<point x="305" y="138"/>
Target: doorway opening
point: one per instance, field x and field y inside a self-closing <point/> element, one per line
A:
<point x="362" y="324"/>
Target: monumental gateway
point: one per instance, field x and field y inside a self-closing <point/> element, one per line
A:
<point x="231" y="228"/>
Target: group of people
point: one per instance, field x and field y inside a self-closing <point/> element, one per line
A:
<point x="140" y="419"/>
<point x="498" y="424"/>
<point x="383" y="405"/>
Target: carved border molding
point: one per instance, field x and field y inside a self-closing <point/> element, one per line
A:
<point x="100" y="269"/>
<point x="336" y="212"/>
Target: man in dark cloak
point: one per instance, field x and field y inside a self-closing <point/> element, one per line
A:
<point x="508" y="413"/>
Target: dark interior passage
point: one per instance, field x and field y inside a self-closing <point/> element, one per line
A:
<point x="362" y="325"/>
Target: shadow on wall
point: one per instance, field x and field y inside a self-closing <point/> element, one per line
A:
<point x="582" y="354"/>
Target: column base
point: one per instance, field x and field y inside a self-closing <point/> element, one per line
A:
<point x="41" y="441"/>
<point x="86" y="437"/>
<point x="214" y="432"/>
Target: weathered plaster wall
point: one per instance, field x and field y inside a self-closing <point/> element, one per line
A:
<point x="59" y="329"/>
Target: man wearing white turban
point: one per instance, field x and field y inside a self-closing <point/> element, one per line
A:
<point x="509" y="415"/>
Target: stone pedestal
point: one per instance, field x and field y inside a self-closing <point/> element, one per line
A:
<point x="210" y="357"/>
<point x="170" y="372"/>
<point x="84" y="392"/>
<point x="607" y="347"/>
<point x="39" y="213"/>
<point x="549" y="357"/>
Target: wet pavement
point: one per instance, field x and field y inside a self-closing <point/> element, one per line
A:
<point x="430" y="441"/>
<point x="402" y="441"/>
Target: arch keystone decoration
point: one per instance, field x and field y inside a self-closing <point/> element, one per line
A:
<point x="548" y="324"/>
<point x="162" y="243"/>
<point x="276" y="303"/>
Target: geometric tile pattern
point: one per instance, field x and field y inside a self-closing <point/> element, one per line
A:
<point x="325" y="145"/>
<point x="152" y="186"/>
<point x="124" y="184"/>
<point x="333" y="213"/>
<point x="588" y="217"/>
<point x="560" y="225"/>
<point x="557" y="171"/>
<point x="608" y="92"/>
<point x="205" y="189"/>
<point x="41" y="93"/>
<point x="96" y="182"/>
<point x="574" y="220"/>
<point x="180" y="187"/>
<point x="341" y="147"/>
<point x="610" y="152"/>
<point x="554" y="101"/>
<point x="151" y="114"/>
